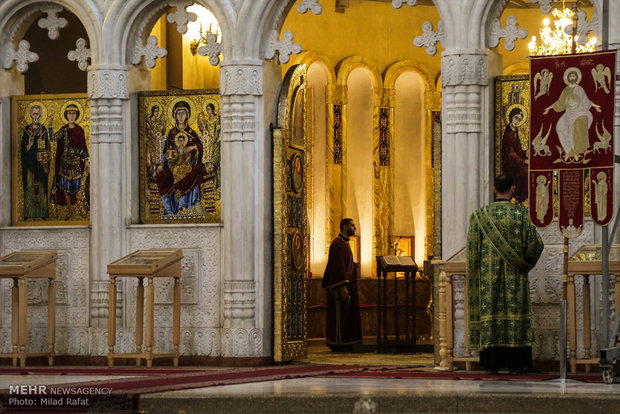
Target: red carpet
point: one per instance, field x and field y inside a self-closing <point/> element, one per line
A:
<point x="206" y="378"/>
<point x="456" y="375"/>
<point x="464" y="375"/>
<point x="105" y="371"/>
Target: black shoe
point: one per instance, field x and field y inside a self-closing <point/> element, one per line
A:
<point x="491" y="371"/>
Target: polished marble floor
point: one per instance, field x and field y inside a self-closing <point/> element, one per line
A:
<point x="365" y="395"/>
<point x="370" y="386"/>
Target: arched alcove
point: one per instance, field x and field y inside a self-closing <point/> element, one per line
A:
<point x="359" y="182"/>
<point x="183" y="67"/>
<point x="53" y="72"/>
<point x="410" y="161"/>
<point x="318" y="85"/>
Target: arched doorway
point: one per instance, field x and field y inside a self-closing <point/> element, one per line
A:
<point x="369" y="144"/>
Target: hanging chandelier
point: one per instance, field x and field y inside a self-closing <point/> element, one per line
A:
<point x="553" y="38"/>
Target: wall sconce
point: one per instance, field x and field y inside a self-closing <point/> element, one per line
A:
<point x="196" y="36"/>
<point x="203" y="39"/>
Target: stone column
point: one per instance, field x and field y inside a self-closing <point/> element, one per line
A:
<point x="466" y="142"/>
<point x="107" y="91"/>
<point x="11" y="83"/>
<point x="246" y="208"/>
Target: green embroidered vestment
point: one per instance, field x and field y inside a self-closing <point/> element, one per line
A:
<point x="502" y="247"/>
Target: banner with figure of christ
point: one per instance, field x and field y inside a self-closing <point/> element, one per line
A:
<point x="571" y="128"/>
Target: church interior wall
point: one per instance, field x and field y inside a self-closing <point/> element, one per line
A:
<point x="385" y="38"/>
<point x="382" y="40"/>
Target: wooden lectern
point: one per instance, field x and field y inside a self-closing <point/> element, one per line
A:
<point x="393" y="264"/>
<point x="21" y="266"/>
<point x="149" y="264"/>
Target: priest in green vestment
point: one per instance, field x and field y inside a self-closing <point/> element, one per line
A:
<point x="502" y="247"/>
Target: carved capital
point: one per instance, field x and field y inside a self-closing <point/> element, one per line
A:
<point x="238" y="118"/>
<point x="462" y="109"/>
<point x="464" y="67"/>
<point x="106" y="121"/>
<point x="108" y="82"/>
<point x="241" y="79"/>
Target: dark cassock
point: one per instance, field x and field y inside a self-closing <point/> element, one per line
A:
<point x="502" y="247"/>
<point x="343" y="322"/>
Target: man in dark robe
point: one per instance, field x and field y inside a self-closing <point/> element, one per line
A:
<point x="502" y="247"/>
<point x="344" y="326"/>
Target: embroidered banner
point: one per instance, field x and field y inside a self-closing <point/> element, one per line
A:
<point x="541" y="192"/>
<point x="571" y="128"/>
<point x="571" y="203"/>
<point x="601" y="195"/>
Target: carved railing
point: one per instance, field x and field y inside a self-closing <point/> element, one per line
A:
<point x="586" y="267"/>
<point x="445" y="314"/>
<point x="446" y="311"/>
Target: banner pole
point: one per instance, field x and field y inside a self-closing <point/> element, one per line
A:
<point x="563" y="315"/>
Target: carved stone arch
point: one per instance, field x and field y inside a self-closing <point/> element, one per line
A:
<point x="134" y="20"/>
<point x="393" y="71"/>
<point x="17" y="16"/>
<point x="346" y="66"/>
<point x="517" y="69"/>
<point x="494" y="12"/>
<point x="144" y="20"/>
<point x="310" y="57"/>
<point x="264" y="17"/>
